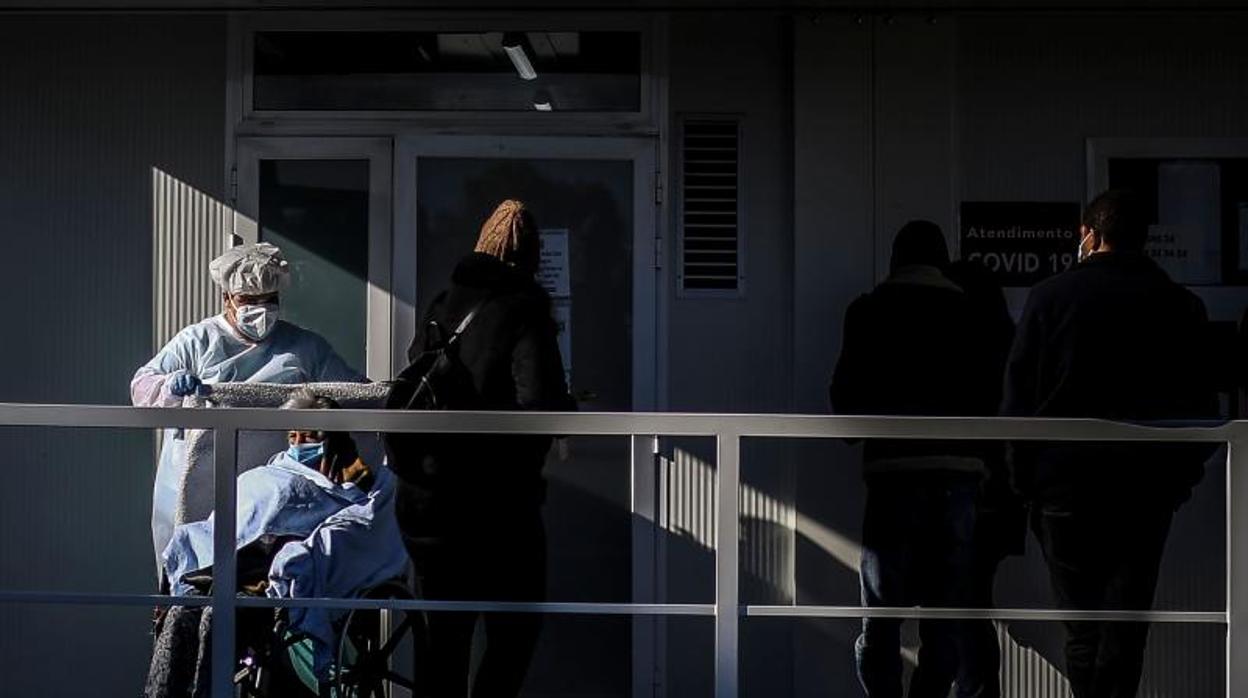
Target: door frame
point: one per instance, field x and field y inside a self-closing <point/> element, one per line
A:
<point x="393" y="304"/>
<point x="648" y="662"/>
<point x="378" y="151"/>
<point x="647" y="240"/>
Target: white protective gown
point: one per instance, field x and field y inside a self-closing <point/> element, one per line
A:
<point x="213" y="351"/>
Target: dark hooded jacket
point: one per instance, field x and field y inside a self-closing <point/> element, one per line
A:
<point x="511" y="351"/>
<point x="912" y="347"/>
<point x="1114" y="338"/>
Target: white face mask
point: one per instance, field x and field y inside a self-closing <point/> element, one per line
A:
<point x="1085" y="251"/>
<point x="255" y="322"/>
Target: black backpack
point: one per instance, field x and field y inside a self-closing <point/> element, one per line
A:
<point x="435" y="380"/>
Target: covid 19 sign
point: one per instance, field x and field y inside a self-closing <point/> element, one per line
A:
<point x="1021" y="243"/>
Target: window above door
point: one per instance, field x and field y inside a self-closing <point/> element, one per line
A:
<point x="489" y="71"/>
<point x="456" y="69"/>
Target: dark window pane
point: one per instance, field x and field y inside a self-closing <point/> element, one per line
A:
<point x="317" y="212"/>
<point x="429" y="71"/>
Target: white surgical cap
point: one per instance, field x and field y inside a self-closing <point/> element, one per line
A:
<point x="254" y="269"/>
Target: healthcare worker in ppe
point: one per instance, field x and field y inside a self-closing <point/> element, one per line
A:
<point x="246" y="342"/>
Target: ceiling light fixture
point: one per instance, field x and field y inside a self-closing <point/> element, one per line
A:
<point x="514" y="44"/>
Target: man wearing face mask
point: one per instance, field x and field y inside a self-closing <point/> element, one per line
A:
<point x="246" y="342"/>
<point x="1113" y="338"/>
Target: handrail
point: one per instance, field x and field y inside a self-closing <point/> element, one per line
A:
<point x="588" y="608"/>
<point x="618" y="423"/>
<point x="728" y="430"/>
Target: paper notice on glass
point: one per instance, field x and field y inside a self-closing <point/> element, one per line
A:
<point x="563" y="319"/>
<point x="554" y="272"/>
<point x="1186" y="239"/>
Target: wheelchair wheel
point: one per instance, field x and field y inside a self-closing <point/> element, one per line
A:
<point x="264" y="668"/>
<point x="368" y="643"/>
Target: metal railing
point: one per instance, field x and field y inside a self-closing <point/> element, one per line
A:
<point x="728" y="431"/>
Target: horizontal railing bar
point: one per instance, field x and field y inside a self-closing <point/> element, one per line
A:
<point x="1020" y="614"/>
<point x="569" y="608"/>
<point x="615" y="424"/>
<point x="580" y="608"/>
<point x="86" y="599"/>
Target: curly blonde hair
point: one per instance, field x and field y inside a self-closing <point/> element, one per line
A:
<point x="511" y="235"/>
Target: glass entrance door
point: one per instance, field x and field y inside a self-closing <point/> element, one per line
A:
<point x="592" y="198"/>
<point x="362" y="283"/>
<point x="326" y="203"/>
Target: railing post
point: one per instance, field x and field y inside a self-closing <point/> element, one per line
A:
<point x="645" y="564"/>
<point x="1237" y="563"/>
<point x="224" y="568"/>
<point x="727" y="567"/>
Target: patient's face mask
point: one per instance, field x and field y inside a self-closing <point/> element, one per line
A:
<point x="255" y="322"/>
<point x="309" y="454"/>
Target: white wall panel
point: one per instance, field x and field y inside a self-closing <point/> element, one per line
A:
<point x="912" y="128"/>
<point x="92" y="106"/>
<point x="733" y="354"/>
<point x="189" y="229"/>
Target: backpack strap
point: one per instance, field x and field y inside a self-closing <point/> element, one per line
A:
<point x="463" y="324"/>
<point x="425" y="383"/>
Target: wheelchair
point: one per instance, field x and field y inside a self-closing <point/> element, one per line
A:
<point x="274" y="661"/>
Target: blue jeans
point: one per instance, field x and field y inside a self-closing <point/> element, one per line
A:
<point x="917" y="551"/>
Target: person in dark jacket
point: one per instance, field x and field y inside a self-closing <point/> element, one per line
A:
<point x="471" y="513"/>
<point x="1113" y="338"/>
<point x="910" y="348"/>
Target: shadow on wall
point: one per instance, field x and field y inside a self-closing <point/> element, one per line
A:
<point x="1182" y="660"/>
<point x="77" y="523"/>
<point x="83" y="522"/>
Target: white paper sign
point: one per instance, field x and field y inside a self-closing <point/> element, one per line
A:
<point x="1186" y="240"/>
<point x="554" y="273"/>
<point x="563" y="318"/>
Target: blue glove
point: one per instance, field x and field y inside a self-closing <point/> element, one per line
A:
<point x="184" y="384"/>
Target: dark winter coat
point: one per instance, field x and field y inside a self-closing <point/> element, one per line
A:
<point x="1113" y="338"/>
<point x="511" y="352"/>
<point x="914" y="346"/>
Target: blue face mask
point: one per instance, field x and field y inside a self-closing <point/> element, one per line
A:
<point x="307" y="454"/>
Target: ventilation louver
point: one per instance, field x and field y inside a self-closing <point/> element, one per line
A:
<point x="709" y="205"/>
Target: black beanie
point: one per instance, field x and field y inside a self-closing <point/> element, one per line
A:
<point x="919" y="242"/>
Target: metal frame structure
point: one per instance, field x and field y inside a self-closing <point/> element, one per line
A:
<point x="728" y="430"/>
<point x="377" y="152"/>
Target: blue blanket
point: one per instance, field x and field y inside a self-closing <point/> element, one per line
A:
<point x="348" y="541"/>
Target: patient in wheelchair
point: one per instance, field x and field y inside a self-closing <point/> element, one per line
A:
<point x="315" y="521"/>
